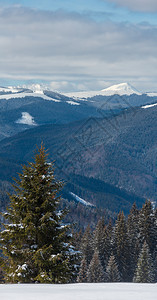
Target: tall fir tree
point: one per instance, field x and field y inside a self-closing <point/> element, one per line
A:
<point x="148" y="227"/>
<point x="121" y="246"/>
<point x="133" y="233"/>
<point x="95" y="270"/>
<point x="108" y="238"/>
<point x="99" y="241"/>
<point x="155" y="269"/>
<point x="103" y="238"/>
<point x="82" y="276"/>
<point x="87" y="245"/>
<point x="35" y="243"/>
<point x="112" y="272"/>
<point x="145" y="271"/>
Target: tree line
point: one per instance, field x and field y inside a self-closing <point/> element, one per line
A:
<point x="38" y="246"/>
<point x="124" y="252"/>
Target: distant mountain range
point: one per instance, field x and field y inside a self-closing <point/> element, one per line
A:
<point x="118" y="89"/>
<point x="104" y="143"/>
<point x="119" y="150"/>
<point x="23" y="108"/>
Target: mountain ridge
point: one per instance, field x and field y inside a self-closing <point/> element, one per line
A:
<point x="117" y="89"/>
<point x="120" y="149"/>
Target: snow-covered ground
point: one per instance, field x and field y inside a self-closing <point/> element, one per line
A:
<point x="82" y="291"/>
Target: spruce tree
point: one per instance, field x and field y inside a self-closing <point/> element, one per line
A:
<point x="35" y="243"/>
<point x="98" y="234"/>
<point x="99" y="241"/>
<point x="112" y="272"/>
<point x="103" y="241"/>
<point x="121" y="246"/>
<point x="155" y="269"/>
<point x="148" y="227"/>
<point x="108" y="239"/>
<point x="82" y="276"/>
<point x="87" y="245"/>
<point x="133" y="233"/>
<point x="144" y="271"/>
<point x="95" y="270"/>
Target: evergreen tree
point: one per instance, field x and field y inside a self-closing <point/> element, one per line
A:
<point x="122" y="253"/>
<point x="108" y="239"/>
<point x="155" y="269"/>
<point x="95" y="270"/>
<point x="148" y="227"/>
<point x="99" y="241"/>
<point x="82" y="276"/>
<point x="103" y="236"/>
<point x="35" y="243"/>
<point x="98" y="234"/>
<point x="112" y="272"/>
<point x="87" y="245"/>
<point x="133" y="233"/>
<point x="144" y="271"/>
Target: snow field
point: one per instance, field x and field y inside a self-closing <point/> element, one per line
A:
<point x="81" y="291"/>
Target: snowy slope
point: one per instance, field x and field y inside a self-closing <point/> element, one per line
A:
<point x="36" y="94"/>
<point x="78" y="199"/>
<point x="152" y="94"/>
<point x="83" y="291"/>
<point x="10" y="93"/>
<point x="9" y="89"/>
<point x="149" y="105"/>
<point x="26" y="119"/>
<point x="118" y="89"/>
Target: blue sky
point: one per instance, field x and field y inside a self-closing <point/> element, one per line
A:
<point x="94" y="8"/>
<point x="79" y="45"/>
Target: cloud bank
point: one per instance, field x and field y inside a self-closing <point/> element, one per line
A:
<point x="137" y="5"/>
<point x="61" y="47"/>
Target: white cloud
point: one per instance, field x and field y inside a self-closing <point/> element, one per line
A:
<point x="137" y="5"/>
<point x="66" y="86"/>
<point x="66" y="47"/>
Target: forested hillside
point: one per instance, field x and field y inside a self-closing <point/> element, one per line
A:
<point x="119" y="150"/>
<point x="124" y="252"/>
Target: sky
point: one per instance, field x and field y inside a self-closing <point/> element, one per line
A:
<point x="80" y="45"/>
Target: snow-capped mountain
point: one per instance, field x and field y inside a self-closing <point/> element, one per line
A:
<point x="36" y="92"/>
<point x="121" y="89"/>
<point x="24" y="94"/>
<point x="118" y="89"/>
<point x="72" y="98"/>
<point x="9" y="89"/>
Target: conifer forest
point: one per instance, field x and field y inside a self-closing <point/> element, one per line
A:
<point x="38" y="246"/>
<point x="78" y="150"/>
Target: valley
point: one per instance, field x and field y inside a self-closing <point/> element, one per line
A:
<point x="104" y="147"/>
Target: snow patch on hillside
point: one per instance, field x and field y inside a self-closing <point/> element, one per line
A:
<point x="149" y="105"/>
<point x="26" y="119"/>
<point x="72" y="103"/>
<point x="77" y="198"/>
<point x="36" y="94"/>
